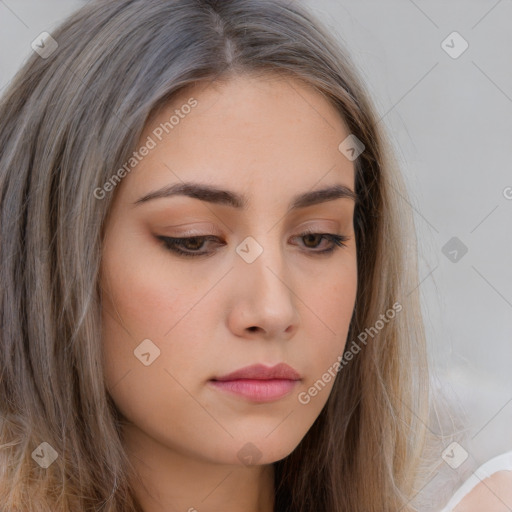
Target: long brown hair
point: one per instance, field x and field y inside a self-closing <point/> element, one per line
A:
<point x="72" y="117"/>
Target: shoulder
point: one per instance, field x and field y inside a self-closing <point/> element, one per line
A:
<point x="488" y="489"/>
<point x="493" y="494"/>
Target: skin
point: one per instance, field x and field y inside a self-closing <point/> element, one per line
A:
<point x="494" y="494"/>
<point x="269" y="138"/>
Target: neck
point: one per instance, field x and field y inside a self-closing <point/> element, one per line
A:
<point x="171" y="481"/>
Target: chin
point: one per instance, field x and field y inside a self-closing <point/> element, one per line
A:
<point x="253" y="451"/>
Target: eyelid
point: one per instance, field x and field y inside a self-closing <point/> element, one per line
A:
<point x="201" y="230"/>
<point x="209" y="230"/>
<point x="173" y="244"/>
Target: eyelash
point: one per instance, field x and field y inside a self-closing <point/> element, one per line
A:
<point x="173" y="244"/>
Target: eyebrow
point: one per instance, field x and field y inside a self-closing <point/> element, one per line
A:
<point x="216" y="195"/>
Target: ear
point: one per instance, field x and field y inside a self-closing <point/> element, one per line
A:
<point x="494" y="494"/>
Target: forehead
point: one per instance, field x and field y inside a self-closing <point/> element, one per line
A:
<point x="267" y="135"/>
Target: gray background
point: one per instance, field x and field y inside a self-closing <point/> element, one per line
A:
<point x="451" y="122"/>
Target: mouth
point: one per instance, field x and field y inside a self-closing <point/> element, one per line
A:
<point x="257" y="390"/>
<point x="259" y="383"/>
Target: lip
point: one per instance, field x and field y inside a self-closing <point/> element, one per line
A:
<point x="262" y="372"/>
<point x="259" y="383"/>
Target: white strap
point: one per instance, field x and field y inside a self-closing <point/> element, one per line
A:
<point x="499" y="463"/>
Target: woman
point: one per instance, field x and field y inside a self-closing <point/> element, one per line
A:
<point x="209" y="293"/>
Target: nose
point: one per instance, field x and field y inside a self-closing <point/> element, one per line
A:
<point x="264" y="299"/>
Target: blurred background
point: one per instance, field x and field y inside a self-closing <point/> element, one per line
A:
<point x="440" y="75"/>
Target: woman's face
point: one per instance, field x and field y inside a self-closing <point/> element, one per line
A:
<point x="253" y="291"/>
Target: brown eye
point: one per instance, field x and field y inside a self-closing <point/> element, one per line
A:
<point x="314" y="239"/>
<point x="311" y="239"/>
<point x="187" y="246"/>
<point x="193" y="244"/>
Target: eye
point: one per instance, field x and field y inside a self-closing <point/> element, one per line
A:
<point x="190" y="246"/>
<point x="337" y="241"/>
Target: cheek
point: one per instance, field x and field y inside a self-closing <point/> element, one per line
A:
<point x="331" y="295"/>
<point x="144" y="290"/>
<point x="140" y="301"/>
<point x="149" y="295"/>
<point x="336" y="300"/>
<point x="144" y="298"/>
<point x="329" y="306"/>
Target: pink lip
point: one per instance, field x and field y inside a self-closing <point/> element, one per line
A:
<point x="259" y="383"/>
<point x="262" y="372"/>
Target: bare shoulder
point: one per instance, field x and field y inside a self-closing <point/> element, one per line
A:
<point x="494" y="494"/>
